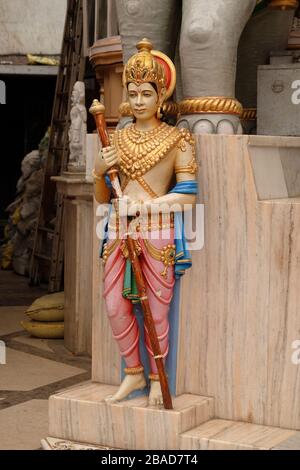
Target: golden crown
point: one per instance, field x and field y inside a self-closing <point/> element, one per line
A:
<point x="142" y="67"/>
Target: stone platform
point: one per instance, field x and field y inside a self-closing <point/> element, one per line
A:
<point x="81" y="414"/>
<point x="81" y="419"/>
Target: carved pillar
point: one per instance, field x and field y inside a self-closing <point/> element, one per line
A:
<point x="106" y="58"/>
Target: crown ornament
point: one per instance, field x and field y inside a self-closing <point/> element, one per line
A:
<point x="149" y="66"/>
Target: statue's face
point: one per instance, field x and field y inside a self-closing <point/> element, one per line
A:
<point x="75" y="95"/>
<point x="143" y="100"/>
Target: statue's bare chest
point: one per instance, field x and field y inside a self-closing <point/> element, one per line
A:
<point x="155" y="182"/>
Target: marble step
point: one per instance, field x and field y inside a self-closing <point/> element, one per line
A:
<point x="81" y="414"/>
<point x="219" y="434"/>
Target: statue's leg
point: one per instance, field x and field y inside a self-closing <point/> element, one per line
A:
<point x="120" y="310"/>
<point x="160" y="317"/>
<point x="159" y="290"/>
<point x="209" y="39"/>
<point x="124" y="325"/>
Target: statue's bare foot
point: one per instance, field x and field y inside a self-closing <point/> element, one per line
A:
<point x="155" y="395"/>
<point x="129" y="384"/>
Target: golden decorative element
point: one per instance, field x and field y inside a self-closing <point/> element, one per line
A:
<point x="134" y="370"/>
<point x="211" y="104"/>
<point x="125" y="109"/>
<point x="159" y="113"/>
<point x="124" y="249"/>
<point x="147" y="66"/>
<point x="284" y="4"/>
<point x="191" y="167"/>
<point x="143" y="68"/>
<point x="154" y="377"/>
<point x="170" y="108"/>
<point x="141" y="150"/>
<point x="249" y="114"/>
<point x="108" y="250"/>
<point x="166" y="255"/>
<point x="145" y="228"/>
<point x="143" y="223"/>
<point x="146" y="187"/>
<point x="97" y="107"/>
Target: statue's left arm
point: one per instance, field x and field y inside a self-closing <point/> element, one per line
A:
<point x="185" y="169"/>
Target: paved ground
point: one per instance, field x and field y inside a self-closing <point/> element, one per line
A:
<point x="34" y="369"/>
<point x="14" y="290"/>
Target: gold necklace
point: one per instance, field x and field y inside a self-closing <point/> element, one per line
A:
<point x="141" y="150"/>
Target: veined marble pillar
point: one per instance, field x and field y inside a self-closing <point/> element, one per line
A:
<point x="78" y="260"/>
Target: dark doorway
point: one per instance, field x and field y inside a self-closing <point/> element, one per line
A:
<point x="23" y="122"/>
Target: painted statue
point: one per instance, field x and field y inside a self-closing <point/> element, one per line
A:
<point x="157" y="170"/>
<point x="78" y="129"/>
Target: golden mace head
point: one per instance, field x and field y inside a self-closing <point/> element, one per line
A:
<point x="97" y="108"/>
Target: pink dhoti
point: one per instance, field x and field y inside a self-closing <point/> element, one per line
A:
<point x="156" y="252"/>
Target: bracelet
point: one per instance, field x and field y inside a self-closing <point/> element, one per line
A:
<point x="95" y="176"/>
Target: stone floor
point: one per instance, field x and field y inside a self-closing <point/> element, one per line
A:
<point x="33" y="370"/>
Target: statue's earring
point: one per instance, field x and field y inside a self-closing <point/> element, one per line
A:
<point x="159" y="114"/>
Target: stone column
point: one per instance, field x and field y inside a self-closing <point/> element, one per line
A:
<point x="78" y="260"/>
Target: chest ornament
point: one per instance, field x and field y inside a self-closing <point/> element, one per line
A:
<point x="141" y="150"/>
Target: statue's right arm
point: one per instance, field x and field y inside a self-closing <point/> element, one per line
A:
<point x="106" y="158"/>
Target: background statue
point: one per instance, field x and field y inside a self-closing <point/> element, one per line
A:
<point x="78" y="129"/>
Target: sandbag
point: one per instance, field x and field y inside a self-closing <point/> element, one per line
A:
<point x="48" y="308"/>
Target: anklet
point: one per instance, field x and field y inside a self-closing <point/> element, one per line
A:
<point x="154" y="377"/>
<point x="134" y="370"/>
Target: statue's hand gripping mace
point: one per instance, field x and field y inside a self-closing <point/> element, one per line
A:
<point x="97" y="110"/>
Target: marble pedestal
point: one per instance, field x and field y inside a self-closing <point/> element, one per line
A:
<point x="78" y="220"/>
<point x="238" y="311"/>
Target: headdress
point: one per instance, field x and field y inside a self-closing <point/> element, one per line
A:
<point x="150" y="66"/>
